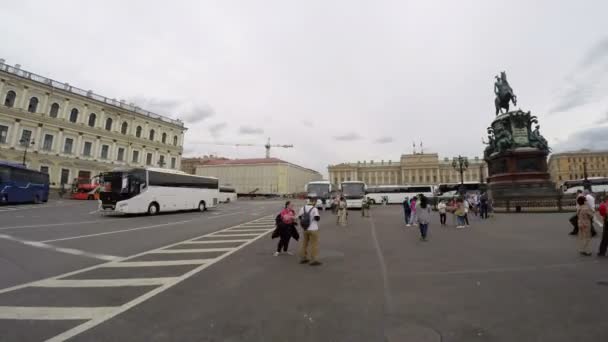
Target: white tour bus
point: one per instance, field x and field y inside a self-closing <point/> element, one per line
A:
<point x="322" y="190"/>
<point x="153" y="190"/>
<point x="392" y="194"/>
<point x="227" y="194"/>
<point x="353" y="192"/>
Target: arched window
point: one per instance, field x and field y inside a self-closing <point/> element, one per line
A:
<point x="54" y="110"/>
<point x="175" y="140"/>
<point x="109" y="124"/>
<point x="124" y="127"/>
<point x="92" y="119"/>
<point x="138" y="132"/>
<point x="164" y="138"/>
<point x="151" y="137"/>
<point x="9" y="101"/>
<point x="74" y="115"/>
<point x="33" y="105"/>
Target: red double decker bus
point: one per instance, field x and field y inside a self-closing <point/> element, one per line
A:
<point x="86" y="188"/>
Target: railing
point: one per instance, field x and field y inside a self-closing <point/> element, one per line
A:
<point x="65" y="86"/>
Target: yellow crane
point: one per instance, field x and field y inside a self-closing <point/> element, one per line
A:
<point x="268" y="145"/>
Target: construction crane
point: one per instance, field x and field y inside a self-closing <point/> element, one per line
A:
<point x="267" y="145"/>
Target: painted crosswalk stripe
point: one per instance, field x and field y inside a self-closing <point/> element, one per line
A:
<point x="234" y="235"/>
<point x="197" y="250"/>
<point x="53" y="313"/>
<point x="158" y="263"/>
<point x="215" y="241"/>
<point x="248" y="230"/>
<point x="103" y="282"/>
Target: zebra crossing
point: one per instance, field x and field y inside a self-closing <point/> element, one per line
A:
<point x="139" y="277"/>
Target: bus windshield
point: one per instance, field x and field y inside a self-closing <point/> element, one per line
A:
<point x="4" y="174"/>
<point x="126" y="183"/>
<point x="319" y="190"/>
<point x="353" y="190"/>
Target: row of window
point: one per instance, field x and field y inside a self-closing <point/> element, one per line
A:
<point x="11" y="96"/>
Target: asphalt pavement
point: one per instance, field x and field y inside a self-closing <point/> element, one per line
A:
<point x="70" y="273"/>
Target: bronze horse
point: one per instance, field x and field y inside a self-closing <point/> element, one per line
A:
<point x="504" y="93"/>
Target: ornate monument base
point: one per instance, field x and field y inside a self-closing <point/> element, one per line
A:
<point x="517" y="165"/>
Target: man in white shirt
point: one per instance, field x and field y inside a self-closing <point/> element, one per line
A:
<point x="590" y="200"/>
<point x="309" y="221"/>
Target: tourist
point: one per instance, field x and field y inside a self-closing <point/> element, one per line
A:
<point x="309" y="221"/>
<point x="342" y="212"/>
<point x="460" y="213"/>
<point x="423" y="216"/>
<point x="407" y="211"/>
<point x="590" y="200"/>
<point x="441" y="207"/>
<point x="285" y="228"/>
<point x="483" y="205"/>
<point x="334" y="205"/>
<point x="574" y="219"/>
<point x="604" y="214"/>
<point x="585" y="215"/>
<point x="466" y="205"/>
<point x="365" y="207"/>
<point x="412" y="211"/>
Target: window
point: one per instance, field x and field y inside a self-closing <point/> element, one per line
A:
<point x="109" y="124"/>
<point x="179" y="180"/>
<point x="173" y="161"/>
<point x="26" y="136"/>
<point x="135" y="158"/>
<point x="124" y="128"/>
<point x="164" y="138"/>
<point x="88" y="146"/>
<point x="92" y="119"/>
<point x="161" y="161"/>
<point x="104" y="151"/>
<point x="74" y="115"/>
<point x="33" y="105"/>
<point x="121" y="154"/>
<point x="9" y="101"/>
<point x="3" y="134"/>
<point x="175" y="140"/>
<point x="151" y="136"/>
<point x="138" y="132"/>
<point x="54" y="110"/>
<point x="44" y="169"/>
<point x="48" y="142"/>
<point x="65" y="176"/>
<point x="149" y="159"/>
<point x="67" y="147"/>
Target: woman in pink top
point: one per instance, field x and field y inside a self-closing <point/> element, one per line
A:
<point x="285" y="226"/>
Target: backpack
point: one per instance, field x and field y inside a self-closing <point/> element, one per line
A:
<point x="305" y="218"/>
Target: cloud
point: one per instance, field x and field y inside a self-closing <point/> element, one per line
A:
<point x="596" y="54"/>
<point x="197" y="114"/>
<point x="308" y="123"/>
<point x="384" y="140"/>
<point x="159" y="106"/>
<point x="217" y="128"/>
<point x="348" y="137"/>
<point x="595" y="138"/>
<point x="251" y="130"/>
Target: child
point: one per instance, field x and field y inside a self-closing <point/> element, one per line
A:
<point x="460" y="213"/>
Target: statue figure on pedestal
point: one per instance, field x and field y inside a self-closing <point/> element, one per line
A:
<point x="504" y="93"/>
<point x="537" y="140"/>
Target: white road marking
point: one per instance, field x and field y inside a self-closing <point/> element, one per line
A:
<point x="94" y="211"/>
<point x="249" y="230"/>
<point x="52" y="313"/>
<point x="197" y="250"/>
<point x="233" y="235"/>
<point x="71" y="251"/>
<point x="158" y="263"/>
<point x="214" y="241"/>
<point x="103" y="282"/>
<point x="118" y="231"/>
<point x="44" y="225"/>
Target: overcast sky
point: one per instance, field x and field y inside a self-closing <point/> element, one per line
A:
<point x="341" y="80"/>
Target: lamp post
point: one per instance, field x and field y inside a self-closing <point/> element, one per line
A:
<point x="460" y="164"/>
<point x="26" y="143"/>
<point x="586" y="182"/>
<point x="161" y="163"/>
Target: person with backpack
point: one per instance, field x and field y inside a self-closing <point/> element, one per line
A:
<point x="309" y="221"/>
<point x="423" y="213"/>
<point x="286" y="222"/>
<point x="412" y="212"/>
<point x="407" y="211"/>
<point x="342" y="212"/>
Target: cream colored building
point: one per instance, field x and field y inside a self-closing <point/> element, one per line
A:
<point x="419" y="168"/>
<point x="259" y="176"/>
<point x="72" y="132"/>
<point x="570" y="165"/>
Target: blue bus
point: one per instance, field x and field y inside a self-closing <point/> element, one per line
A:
<point x="19" y="184"/>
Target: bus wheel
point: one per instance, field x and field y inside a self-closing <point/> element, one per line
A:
<point x="202" y="206"/>
<point x="372" y="201"/>
<point x="227" y="200"/>
<point x="4" y="199"/>
<point x="153" y="209"/>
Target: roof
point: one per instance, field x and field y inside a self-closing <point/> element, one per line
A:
<point x="12" y="164"/>
<point x="251" y="161"/>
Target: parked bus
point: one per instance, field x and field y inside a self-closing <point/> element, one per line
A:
<point x="451" y="189"/>
<point x="322" y="190"/>
<point x="598" y="185"/>
<point x="19" y="184"/>
<point x="154" y="190"/>
<point x="392" y="194"/>
<point x="353" y="192"/>
<point x="86" y="188"/>
<point x="227" y="194"/>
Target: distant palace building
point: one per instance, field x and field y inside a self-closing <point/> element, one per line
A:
<point x="417" y="168"/>
<point x="571" y="165"/>
<point x="70" y="132"/>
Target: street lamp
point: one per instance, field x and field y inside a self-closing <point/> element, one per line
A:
<point x="161" y="163"/>
<point x="460" y="164"/>
<point x="26" y="142"/>
<point x="586" y="182"/>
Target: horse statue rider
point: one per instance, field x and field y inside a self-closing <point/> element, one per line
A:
<point x="504" y="93"/>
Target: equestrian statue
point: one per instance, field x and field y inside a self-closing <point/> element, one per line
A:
<point x="504" y="93"/>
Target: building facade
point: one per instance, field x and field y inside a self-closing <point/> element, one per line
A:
<point x="264" y="176"/>
<point x="188" y="165"/>
<point x="571" y="165"/>
<point x="69" y="132"/>
<point x="418" y="168"/>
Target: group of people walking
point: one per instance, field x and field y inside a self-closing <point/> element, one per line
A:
<point x="583" y="223"/>
<point x="308" y="219"/>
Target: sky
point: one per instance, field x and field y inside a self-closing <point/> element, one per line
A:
<point x="343" y="81"/>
